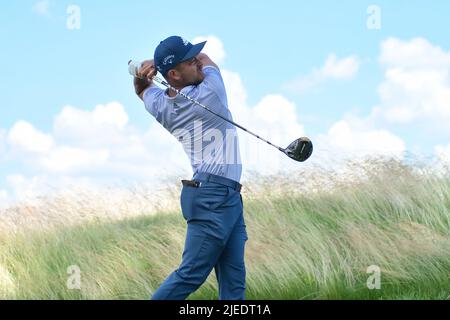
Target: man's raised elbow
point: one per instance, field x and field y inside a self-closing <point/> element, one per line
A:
<point x="206" y="61"/>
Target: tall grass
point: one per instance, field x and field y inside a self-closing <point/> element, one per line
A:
<point x="307" y="240"/>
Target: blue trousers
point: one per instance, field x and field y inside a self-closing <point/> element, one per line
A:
<point x="216" y="237"/>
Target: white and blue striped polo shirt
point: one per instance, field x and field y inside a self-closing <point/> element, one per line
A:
<point x="211" y="143"/>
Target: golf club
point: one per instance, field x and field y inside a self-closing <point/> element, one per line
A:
<point x="299" y="150"/>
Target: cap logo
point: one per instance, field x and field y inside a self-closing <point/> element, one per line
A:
<point x="168" y="59"/>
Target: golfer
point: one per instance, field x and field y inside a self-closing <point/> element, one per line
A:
<point x="211" y="202"/>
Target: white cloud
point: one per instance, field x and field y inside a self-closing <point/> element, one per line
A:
<point x="333" y="68"/>
<point x="214" y="48"/>
<point x="276" y="119"/>
<point x="344" y="68"/>
<point x="66" y="159"/>
<point x="416" y="53"/>
<point x="273" y="118"/>
<point x="103" y="141"/>
<point x="25" y="138"/>
<point x="237" y="95"/>
<point x="4" y="198"/>
<point x="42" y="8"/>
<point x="97" y="142"/>
<point x="442" y="153"/>
<point x="105" y="122"/>
<point x="416" y="88"/>
<point x="112" y="114"/>
<point x="352" y="139"/>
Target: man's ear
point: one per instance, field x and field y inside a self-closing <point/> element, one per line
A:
<point x="173" y="75"/>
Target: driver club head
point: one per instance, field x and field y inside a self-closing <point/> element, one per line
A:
<point x="299" y="150"/>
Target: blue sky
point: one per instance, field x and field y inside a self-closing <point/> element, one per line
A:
<point x="267" y="42"/>
<point x="45" y="66"/>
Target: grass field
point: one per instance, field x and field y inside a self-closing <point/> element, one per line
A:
<point x="305" y="241"/>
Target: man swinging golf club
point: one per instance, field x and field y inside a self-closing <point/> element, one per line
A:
<point x="195" y="105"/>
<point x="211" y="202"/>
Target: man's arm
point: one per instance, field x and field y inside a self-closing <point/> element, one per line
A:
<point x="206" y="61"/>
<point x="144" y="79"/>
<point x="213" y="81"/>
<point x="140" y="85"/>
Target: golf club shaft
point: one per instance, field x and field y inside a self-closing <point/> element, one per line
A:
<point x="167" y="85"/>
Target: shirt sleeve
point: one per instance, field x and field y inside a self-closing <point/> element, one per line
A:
<point x="152" y="100"/>
<point x="214" y="82"/>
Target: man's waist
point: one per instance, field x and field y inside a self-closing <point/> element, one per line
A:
<point x="209" y="177"/>
<point x="229" y="171"/>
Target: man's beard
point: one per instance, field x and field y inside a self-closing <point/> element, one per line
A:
<point x="198" y="80"/>
<point x="196" y="83"/>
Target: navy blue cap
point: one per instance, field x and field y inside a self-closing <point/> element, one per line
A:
<point x="173" y="51"/>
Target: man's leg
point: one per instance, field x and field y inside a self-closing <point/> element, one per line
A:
<point x="211" y="214"/>
<point x="230" y="268"/>
<point x="199" y="257"/>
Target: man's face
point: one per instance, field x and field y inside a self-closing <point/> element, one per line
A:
<point x="190" y="72"/>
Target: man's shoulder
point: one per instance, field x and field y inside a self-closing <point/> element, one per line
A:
<point x="153" y="91"/>
<point x="212" y="72"/>
<point x="213" y="79"/>
<point x="153" y="98"/>
<point x="213" y="87"/>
